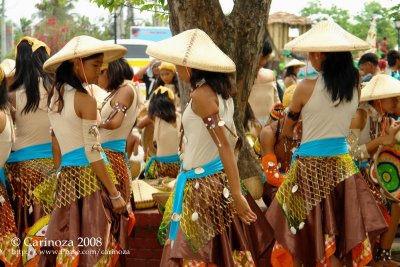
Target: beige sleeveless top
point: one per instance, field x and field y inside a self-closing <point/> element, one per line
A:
<point x="324" y="119"/>
<point x="6" y="139"/>
<point x="199" y="146"/>
<point x="32" y="128"/>
<point x="127" y="124"/>
<point x="167" y="136"/>
<point x="263" y="95"/>
<point x="67" y="126"/>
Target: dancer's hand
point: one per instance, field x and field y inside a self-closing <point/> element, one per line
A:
<point x="243" y="209"/>
<point x="119" y="205"/>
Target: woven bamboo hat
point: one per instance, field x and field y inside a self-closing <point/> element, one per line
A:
<point x="84" y="46"/>
<point x="8" y="66"/>
<point x="379" y="87"/>
<point x="326" y="36"/>
<point x="294" y="62"/>
<point x="194" y="49"/>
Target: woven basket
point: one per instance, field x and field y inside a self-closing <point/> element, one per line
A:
<point x="254" y="186"/>
<point x="143" y="194"/>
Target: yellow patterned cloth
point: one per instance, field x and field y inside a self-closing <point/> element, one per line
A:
<point x="308" y="182"/>
<point x="207" y="210"/>
<point x="10" y="253"/>
<point x="44" y="192"/>
<point x="75" y="182"/>
<point x="24" y="176"/>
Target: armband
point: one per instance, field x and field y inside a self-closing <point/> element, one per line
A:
<point x="213" y="121"/>
<point x="294" y="116"/>
<point x="117" y="107"/>
<point x="92" y="145"/>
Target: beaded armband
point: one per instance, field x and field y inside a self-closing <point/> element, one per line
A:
<point x="213" y="121"/>
<point x="294" y="116"/>
<point x="117" y="107"/>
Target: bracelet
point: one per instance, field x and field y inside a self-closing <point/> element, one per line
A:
<point x="115" y="198"/>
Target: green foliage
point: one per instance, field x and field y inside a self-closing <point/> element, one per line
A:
<point x="384" y="25"/>
<point x="359" y="24"/>
<point x="159" y="7"/>
<point x="315" y="10"/>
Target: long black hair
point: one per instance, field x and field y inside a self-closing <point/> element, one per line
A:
<point x="66" y="75"/>
<point x="340" y="75"/>
<point x="219" y="82"/>
<point x="290" y="72"/>
<point x="163" y="107"/>
<point x="28" y="70"/>
<point x="3" y="94"/>
<point x="118" y="71"/>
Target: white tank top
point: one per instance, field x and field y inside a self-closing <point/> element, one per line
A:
<point x="199" y="146"/>
<point x="67" y="126"/>
<point x="324" y="119"/>
<point x="167" y="136"/>
<point x="33" y="128"/>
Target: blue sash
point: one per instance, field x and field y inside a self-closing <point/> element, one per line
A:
<point x="42" y="151"/>
<point x="163" y="159"/>
<point x="115" y="145"/>
<point x="77" y="157"/>
<point x="3" y="177"/>
<point x="322" y="148"/>
<point x="203" y="171"/>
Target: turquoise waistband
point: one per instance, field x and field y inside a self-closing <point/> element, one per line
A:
<point x="115" y="145"/>
<point x="42" y="151"/>
<point x="77" y="157"/>
<point x="322" y="148"/>
<point x="3" y="178"/>
<point x="203" y="171"/>
<point x="163" y="159"/>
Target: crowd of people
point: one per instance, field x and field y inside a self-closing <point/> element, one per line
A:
<point x="328" y="148"/>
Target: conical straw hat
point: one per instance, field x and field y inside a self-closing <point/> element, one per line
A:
<point x="81" y="47"/>
<point x="194" y="49"/>
<point x="294" y="62"/>
<point x="8" y="66"/>
<point x="326" y="36"/>
<point x="379" y="87"/>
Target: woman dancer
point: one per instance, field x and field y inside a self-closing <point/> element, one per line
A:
<point x="31" y="160"/>
<point x="324" y="199"/>
<point x="86" y="195"/>
<point x="203" y="213"/>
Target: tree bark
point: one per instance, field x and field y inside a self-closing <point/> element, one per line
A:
<point x="240" y="35"/>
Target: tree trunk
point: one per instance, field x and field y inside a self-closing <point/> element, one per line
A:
<point x="241" y="36"/>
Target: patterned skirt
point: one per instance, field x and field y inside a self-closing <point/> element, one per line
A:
<point x="83" y="221"/>
<point x="10" y="255"/>
<point x="325" y="203"/>
<point x="210" y="231"/>
<point x="24" y="177"/>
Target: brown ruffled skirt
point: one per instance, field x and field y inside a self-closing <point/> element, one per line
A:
<point x="348" y="214"/>
<point x="91" y="234"/>
<point x="236" y="244"/>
